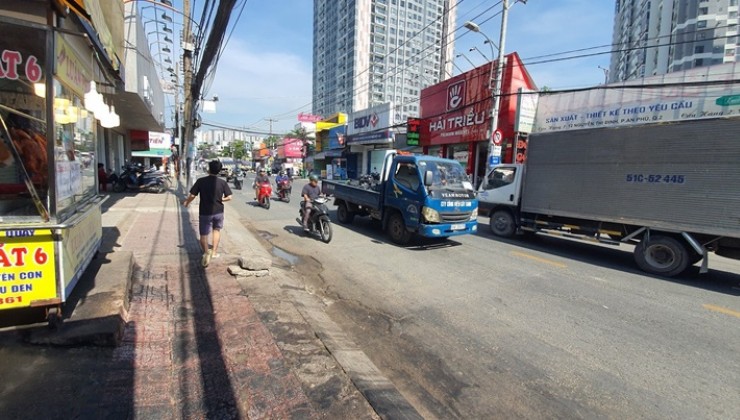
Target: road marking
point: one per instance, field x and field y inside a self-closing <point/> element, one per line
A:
<point x="538" y="259"/>
<point x="722" y="310"/>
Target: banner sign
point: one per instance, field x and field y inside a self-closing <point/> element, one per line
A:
<point x="337" y="137"/>
<point x="71" y="68"/>
<point x="677" y="96"/>
<point x="27" y="267"/>
<point x="364" y="126"/>
<point x="292" y="147"/>
<point x="526" y="109"/>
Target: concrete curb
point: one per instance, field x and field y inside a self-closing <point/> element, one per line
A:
<point x="99" y="305"/>
<point x="380" y="393"/>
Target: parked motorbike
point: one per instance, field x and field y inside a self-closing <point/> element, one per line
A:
<point x="264" y="194"/>
<point x="135" y="178"/>
<point x="284" y="187"/>
<point x="319" y="223"/>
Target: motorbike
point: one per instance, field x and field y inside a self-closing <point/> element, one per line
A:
<point x="135" y="178"/>
<point x="319" y="223"/>
<point x="238" y="179"/>
<point x="264" y="194"/>
<point x="284" y="188"/>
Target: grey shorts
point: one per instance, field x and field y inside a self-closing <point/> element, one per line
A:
<point x="212" y="221"/>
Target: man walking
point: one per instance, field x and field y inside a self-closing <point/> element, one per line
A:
<point x="213" y="191"/>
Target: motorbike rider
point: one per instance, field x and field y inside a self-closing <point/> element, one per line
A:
<point x="280" y="178"/>
<point x="309" y="193"/>
<point x="259" y="180"/>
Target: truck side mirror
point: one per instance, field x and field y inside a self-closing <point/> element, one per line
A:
<point x="428" y="178"/>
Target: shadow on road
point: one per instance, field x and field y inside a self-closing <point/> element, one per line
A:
<point x="619" y="259"/>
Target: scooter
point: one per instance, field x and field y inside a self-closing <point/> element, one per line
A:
<point x="133" y="178"/>
<point x="238" y="177"/>
<point x="264" y="194"/>
<point x="319" y="223"/>
<point x="284" y="187"/>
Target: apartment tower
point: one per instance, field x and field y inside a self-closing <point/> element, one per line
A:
<point x="660" y="36"/>
<point x="369" y="52"/>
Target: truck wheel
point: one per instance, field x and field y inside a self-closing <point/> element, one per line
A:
<point x="344" y="215"/>
<point x="662" y="255"/>
<point x="397" y="229"/>
<point x="502" y="223"/>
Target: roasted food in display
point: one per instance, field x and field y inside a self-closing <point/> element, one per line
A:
<point x="31" y="147"/>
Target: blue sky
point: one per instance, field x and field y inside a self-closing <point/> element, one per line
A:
<point x="265" y="71"/>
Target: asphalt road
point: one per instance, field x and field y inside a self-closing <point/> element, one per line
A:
<point x="479" y="327"/>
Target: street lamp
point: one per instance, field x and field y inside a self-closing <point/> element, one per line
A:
<point x="606" y="74"/>
<point x="496" y="92"/>
<point x="466" y="59"/>
<point x="481" y="54"/>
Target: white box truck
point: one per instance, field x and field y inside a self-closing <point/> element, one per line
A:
<point x="655" y="163"/>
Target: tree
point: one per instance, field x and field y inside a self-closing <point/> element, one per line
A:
<point x="272" y="141"/>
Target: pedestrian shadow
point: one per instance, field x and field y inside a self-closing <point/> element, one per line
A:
<point x="218" y="397"/>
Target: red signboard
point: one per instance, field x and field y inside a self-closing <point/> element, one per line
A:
<point x="458" y="110"/>
<point x="292" y="148"/>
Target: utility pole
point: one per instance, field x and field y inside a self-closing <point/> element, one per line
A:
<point x="270" y="120"/>
<point x="496" y="93"/>
<point x="443" y="50"/>
<point x="187" y="62"/>
<point x="178" y="133"/>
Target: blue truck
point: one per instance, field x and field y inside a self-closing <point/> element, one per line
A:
<point x="416" y="194"/>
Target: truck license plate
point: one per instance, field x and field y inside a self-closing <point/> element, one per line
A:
<point x="458" y="227"/>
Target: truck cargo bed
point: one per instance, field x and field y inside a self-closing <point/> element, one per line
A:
<point x="353" y="194"/>
<point x="681" y="177"/>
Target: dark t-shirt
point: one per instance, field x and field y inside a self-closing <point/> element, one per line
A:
<point x="212" y="190"/>
<point x="311" y="191"/>
<point x="259" y="179"/>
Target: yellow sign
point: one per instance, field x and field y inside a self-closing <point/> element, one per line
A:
<point x="27" y="267"/>
<point x="71" y="69"/>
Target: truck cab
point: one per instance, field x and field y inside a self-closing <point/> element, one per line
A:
<point x="433" y="196"/>
<point x="499" y="196"/>
<point x="423" y="195"/>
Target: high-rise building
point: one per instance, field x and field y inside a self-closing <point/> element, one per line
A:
<point x="368" y="52"/>
<point x="660" y="36"/>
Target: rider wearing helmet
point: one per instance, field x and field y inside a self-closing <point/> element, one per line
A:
<point x="258" y="180"/>
<point x="281" y="177"/>
<point x="309" y="193"/>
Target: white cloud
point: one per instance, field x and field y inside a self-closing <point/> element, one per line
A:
<point x="252" y="85"/>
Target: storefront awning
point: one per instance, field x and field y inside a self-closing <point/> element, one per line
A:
<point x="328" y="154"/>
<point x="155" y="153"/>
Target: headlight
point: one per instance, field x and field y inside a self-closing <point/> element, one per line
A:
<point x="430" y="215"/>
<point x="474" y="215"/>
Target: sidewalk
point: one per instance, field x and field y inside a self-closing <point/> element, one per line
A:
<point x="194" y="346"/>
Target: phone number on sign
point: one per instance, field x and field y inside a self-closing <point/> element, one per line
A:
<point x="656" y="179"/>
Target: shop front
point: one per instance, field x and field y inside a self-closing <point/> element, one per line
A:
<point x="329" y="149"/>
<point x="157" y="148"/>
<point x="50" y="127"/>
<point x="456" y="117"/>
<point x="289" y="154"/>
<point x="369" y="135"/>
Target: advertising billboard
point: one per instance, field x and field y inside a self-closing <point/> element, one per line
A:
<point x="292" y="148"/>
<point x="337" y="137"/>
<point x="457" y="110"/>
<point x="694" y="94"/>
<point x="371" y="125"/>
